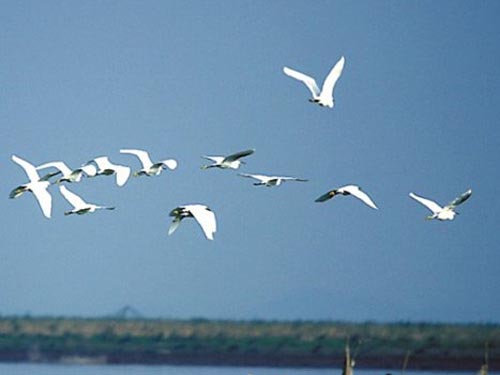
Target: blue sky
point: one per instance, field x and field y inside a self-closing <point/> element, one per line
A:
<point x="416" y="110"/>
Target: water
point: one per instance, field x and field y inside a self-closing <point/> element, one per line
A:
<point x="59" y="369"/>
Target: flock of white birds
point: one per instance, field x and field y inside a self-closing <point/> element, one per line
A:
<point x="102" y="166"/>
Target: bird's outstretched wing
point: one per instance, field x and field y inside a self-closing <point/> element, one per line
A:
<point x="49" y="175"/>
<point x="28" y="168"/>
<point x="142" y="155"/>
<point x="102" y="162"/>
<point x="431" y="205"/>
<point x="56" y="164"/>
<point x="216" y="159"/>
<point x="332" y="77"/>
<point x="174" y="225"/>
<point x="43" y="197"/>
<point x="122" y="174"/>
<point x="169" y="163"/>
<point x="358" y="193"/>
<point x="461" y="199"/>
<point x="238" y="155"/>
<point x="205" y="218"/>
<point x="72" y="198"/>
<point x="326" y="196"/>
<point x="259" y="177"/>
<point x="89" y="169"/>
<point x="17" y="191"/>
<point x="285" y="178"/>
<point x="308" y="81"/>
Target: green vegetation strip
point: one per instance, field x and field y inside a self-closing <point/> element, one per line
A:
<point x="254" y="342"/>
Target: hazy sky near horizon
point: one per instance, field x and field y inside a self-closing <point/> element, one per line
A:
<point x="416" y="110"/>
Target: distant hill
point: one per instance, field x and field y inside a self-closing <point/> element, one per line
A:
<point x="132" y="339"/>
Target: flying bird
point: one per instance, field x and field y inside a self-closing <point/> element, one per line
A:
<point x="68" y="174"/>
<point x="202" y="214"/>
<point x="148" y="167"/>
<point x="106" y="168"/>
<point x="37" y="185"/>
<point x="231" y="161"/>
<point x="353" y="190"/>
<point x="442" y="213"/>
<point x="80" y="207"/>
<point x="324" y="97"/>
<point x="270" y="180"/>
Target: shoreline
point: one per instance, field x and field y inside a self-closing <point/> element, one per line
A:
<point x="386" y="363"/>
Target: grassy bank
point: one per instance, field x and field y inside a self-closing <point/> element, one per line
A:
<point x="432" y="346"/>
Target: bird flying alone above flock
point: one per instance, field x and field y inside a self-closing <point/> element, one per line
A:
<point x="37" y="185"/>
<point x="442" y="213"/>
<point x="324" y="97"/>
<point x="106" y="168"/>
<point x="231" y="161"/>
<point x="270" y="180"/>
<point x="353" y="190"/>
<point x="80" y="207"/>
<point x="148" y="167"/>
<point x="201" y="213"/>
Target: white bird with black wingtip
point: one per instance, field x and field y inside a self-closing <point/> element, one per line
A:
<point x="227" y="162"/>
<point x="442" y="213"/>
<point x="353" y="190"/>
<point x="270" y="181"/>
<point x="37" y="185"/>
<point x="68" y="174"/>
<point x="80" y="207"/>
<point x="107" y="168"/>
<point x="148" y="167"/>
<point x="323" y="97"/>
<point x="201" y="213"/>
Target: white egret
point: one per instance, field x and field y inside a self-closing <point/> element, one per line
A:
<point x="148" y="167"/>
<point x="201" y="213"/>
<point x="231" y="161"/>
<point x="80" y="207"/>
<point x="106" y="168"/>
<point x="324" y="97"/>
<point x="68" y="174"/>
<point x="270" y="180"/>
<point x="353" y="190"/>
<point x="37" y="185"/>
<point x="442" y="213"/>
